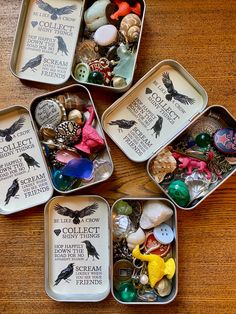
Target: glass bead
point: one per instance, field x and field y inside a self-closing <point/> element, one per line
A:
<point x="178" y="190"/>
<point x="127" y="292"/>
<point x="96" y="77"/>
<point x="203" y="139"/>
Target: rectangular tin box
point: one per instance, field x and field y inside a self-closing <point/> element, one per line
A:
<point x="92" y="276"/>
<point x="35" y="40"/>
<point x="147" y="118"/>
<point x="34" y="186"/>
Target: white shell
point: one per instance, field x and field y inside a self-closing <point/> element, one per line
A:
<point x="154" y="213"/>
<point x="130" y="27"/>
<point x="135" y="238"/>
<point x="163" y="287"/>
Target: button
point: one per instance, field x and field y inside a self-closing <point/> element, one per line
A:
<point x="82" y="71"/>
<point x="163" y="233"/>
<point x="225" y="139"/>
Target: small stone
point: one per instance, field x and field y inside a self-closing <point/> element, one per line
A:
<point x="96" y="77"/>
<point x="106" y="35"/>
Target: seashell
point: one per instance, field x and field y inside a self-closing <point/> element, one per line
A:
<point x="135" y="238"/>
<point x="130" y="27"/>
<point x="72" y="101"/>
<point x="163" y="287"/>
<point x="163" y="164"/>
<point x="154" y="213"/>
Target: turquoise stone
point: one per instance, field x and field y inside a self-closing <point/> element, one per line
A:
<point x="179" y="192"/>
<point x="96" y="77"/>
<point x="60" y="181"/>
<point x="127" y="292"/>
<point x="203" y="139"/>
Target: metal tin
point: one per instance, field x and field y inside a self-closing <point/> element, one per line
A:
<point x="226" y="120"/>
<point x="104" y="158"/>
<point x="148" y="116"/>
<point x="85" y="264"/>
<point x="111" y="88"/>
<point x="24" y="176"/>
<point x="173" y="253"/>
<point x="45" y="41"/>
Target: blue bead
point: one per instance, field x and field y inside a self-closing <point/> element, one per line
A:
<point x="60" y="181"/>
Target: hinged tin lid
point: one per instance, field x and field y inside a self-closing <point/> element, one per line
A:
<point x="157" y="108"/>
<point x="24" y="179"/>
<point x="77" y="256"/>
<point x="45" y="40"/>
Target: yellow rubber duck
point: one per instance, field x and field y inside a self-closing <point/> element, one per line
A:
<point x="157" y="267"/>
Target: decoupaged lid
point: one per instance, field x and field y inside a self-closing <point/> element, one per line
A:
<point x="24" y="179"/>
<point x="77" y="248"/>
<point x="154" y="111"/>
<point x="45" y="40"/>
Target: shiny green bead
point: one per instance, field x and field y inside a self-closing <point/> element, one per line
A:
<point x="123" y="208"/>
<point x="127" y="292"/>
<point x="96" y="77"/>
<point x="178" y="190"/>
<point x="203" y="139"/>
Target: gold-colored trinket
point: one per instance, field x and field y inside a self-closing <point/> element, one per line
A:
<point x="71" y="101"/>
<point x="47" y="131"/>
<point x="76" y="116"/>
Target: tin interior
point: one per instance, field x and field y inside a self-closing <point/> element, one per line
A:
<point x="45" y="40"/>
<point x="87" y="4"/>
<point x="227" y="120"/>
<point x="64" y="245"/>
<point x="144" y="120"/>
<point x="103" y="158"/>
<point x="24" y="177"/>
<point x="172" y="222"/>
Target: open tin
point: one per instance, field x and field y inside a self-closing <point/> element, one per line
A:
<point x="24" y="176"/>
<point x="75" y="96"/>
<point x="78" y="250"/>
<point x="155" y="112"/>
<point x="44" y="48"/>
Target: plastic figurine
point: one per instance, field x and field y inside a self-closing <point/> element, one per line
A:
<point x="91" y="141"/>
<point x="124" y="8"/>
<point x="191" y="163"/>
<point x="157" y="267"/>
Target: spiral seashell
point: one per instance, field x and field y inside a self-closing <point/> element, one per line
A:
<point x="130" y="27"/>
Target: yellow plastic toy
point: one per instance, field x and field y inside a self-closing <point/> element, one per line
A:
<point x="157" y="267"/>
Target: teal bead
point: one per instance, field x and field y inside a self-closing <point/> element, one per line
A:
<point x="127" y="292"/>
<point x="96" y="77"/>
<point x="203" y="139"/>
<point x="60" y="181"/>
<point x="179" y="192"/>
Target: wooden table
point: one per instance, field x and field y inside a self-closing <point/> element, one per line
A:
<point x="201" y="35"/>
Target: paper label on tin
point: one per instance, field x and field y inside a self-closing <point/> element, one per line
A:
<point x="78" y="247"/>
<point x="48" y="40"/>
<point x="153" y="113"/>
<point x="23" y="176"/>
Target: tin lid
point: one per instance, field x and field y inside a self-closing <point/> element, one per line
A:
<point x="45" y="40"/>
<point x="154" y="111"/>
<point x="77" y="248"/>
<point x="24" y="179"/>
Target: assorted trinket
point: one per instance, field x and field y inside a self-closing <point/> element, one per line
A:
<point x="143" y="255"/>
<point x="71" y="141"/>
<point x="197" y="161"/>
<point x="106" y="55"/>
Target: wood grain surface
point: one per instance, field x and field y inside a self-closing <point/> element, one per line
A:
<point x="201" y="35"/>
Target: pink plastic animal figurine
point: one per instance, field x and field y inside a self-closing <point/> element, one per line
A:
<point x="91" y="141"/>
<point x="191" y="163"/>
<point x="125" y="8"/>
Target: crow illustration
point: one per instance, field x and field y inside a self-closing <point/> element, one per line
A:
<point x="32" y="63"/>
<point x="17" y="125"/>
<point x="157" y="126"/>
<point x="173" y="93"/>
<point x="123" y="124"/>
<point x="61" y="45"/>
<point x="31" y="162"/>
<point x="55" y="12"/>
<point x="12" y="191"/>
<point x="65" y="274"/>
<point x="91" y="250"/>
<point x="76" y="214"/>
